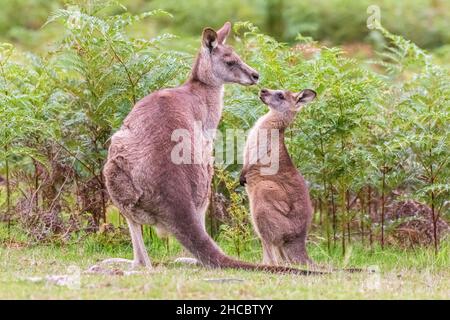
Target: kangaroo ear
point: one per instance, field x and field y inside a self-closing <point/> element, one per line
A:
<point x="305" y="96"/>
<point x="209" y="38"/>
<point x="224" y="32"/>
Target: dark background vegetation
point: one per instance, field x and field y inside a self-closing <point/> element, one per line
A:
<point x="425" y="22"/>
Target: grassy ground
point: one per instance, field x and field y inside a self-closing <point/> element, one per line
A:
<point x="402" y="274"/>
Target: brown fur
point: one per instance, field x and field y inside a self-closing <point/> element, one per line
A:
<point x="140" y="176"/>
<point x="280" y="204"/>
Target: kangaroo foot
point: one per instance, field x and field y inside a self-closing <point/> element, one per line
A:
<point x="99" y="269"/>
<point x="187" y="260"/>
<point x="141" y="258"/>
<point x="117" y="261"/>
<point x="133" y="265"/>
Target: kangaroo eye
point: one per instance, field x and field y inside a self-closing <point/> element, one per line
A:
<point x="231" y="63"/>
<point x="280" y="96"/>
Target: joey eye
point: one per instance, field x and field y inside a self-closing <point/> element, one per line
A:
<point x="280" y="96"/>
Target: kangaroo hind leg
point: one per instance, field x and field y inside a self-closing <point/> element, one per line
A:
<point x="119" y="183"/>
<point x="140" y="255"/>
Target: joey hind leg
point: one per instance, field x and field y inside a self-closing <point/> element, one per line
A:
<point x="295" y="252"/>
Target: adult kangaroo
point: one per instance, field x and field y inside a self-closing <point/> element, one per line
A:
<point x="144" y="182"/>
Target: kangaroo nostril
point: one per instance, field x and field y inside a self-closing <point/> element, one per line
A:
<point x="255" y="76"/>
<point x="264" y="91"/>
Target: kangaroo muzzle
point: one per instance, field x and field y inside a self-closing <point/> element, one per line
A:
<point x="251" y="74"/>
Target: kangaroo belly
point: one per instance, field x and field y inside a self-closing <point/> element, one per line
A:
<point x="278" y="209"/>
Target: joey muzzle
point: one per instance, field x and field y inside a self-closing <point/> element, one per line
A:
<point x="263" y="95"/>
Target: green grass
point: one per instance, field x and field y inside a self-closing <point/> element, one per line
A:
<point x="403" y="274"/>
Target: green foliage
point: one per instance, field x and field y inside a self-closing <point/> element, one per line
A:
<point x="408" y="274"/>
<point x="59" y="110"/>
<point x="422" y="111"/>
<point x="337" y="21"/>
<point x="101" y="73"/>
<point x="238" y="231"/>
<point x="425" y="22"/>
<point x="376" y="127"/>
<point x="385" y="131"/>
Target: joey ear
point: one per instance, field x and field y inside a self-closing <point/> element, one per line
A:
<point x="209" y="39"/>
<point x="224" y="32"/>
<point x="305" y="96"/>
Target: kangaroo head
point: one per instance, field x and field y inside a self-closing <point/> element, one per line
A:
<point x="218" y="63"/>
<point x="286" y="102"/>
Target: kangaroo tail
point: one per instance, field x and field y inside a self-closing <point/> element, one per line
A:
<point x="194" y="238"/>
